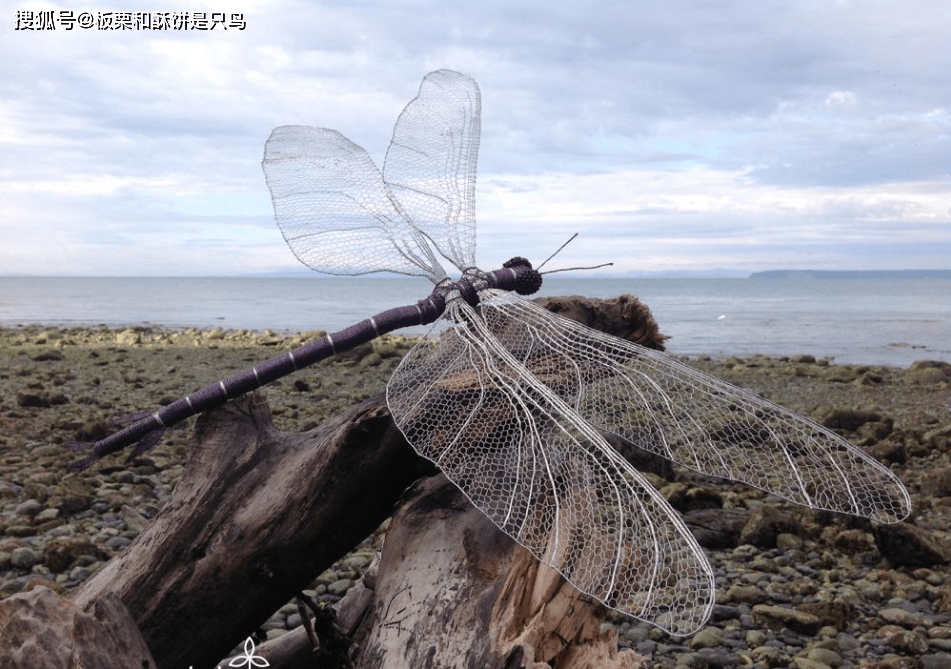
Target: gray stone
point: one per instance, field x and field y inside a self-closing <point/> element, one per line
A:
<point x="30" y="507"/>
<point x="23" y="557"/>
<point x="50" y="354"/>
<point x="128" y="337"/>
<point x="41" y="630"/>
<point x="786" y="541"/>
<point x="928" y="372"/>
<point x="717" y="528"/>
<point x="934" y="661"/>
<point x="900" y="617"/>
<point x="847" y="642"/>
<point x="904" y="640"/>
<point x="765" y="524"/>
<point x="777" y="617"/>
<point x="133" y="519"/>
<point x="936" y="482"/>
<point x="806" y="663"/>
<point x="755" y="638"/>
<point x="769" y="656"/>
<point x="905" y="545"/>
<point x="746" y="594"/>
<point x="118" y="543"/>
<point x="835" y="613"/>
<point x="46" y="515"/>
<point x="825" y="656"/>
<point x="708" y="637"/>
<point x="340" y="587"/>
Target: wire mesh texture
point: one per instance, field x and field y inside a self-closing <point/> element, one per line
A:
<point x="511" y="401"/>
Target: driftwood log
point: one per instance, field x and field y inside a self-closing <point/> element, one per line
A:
<point x="259" y="513"/>
<point x="453" y="591"/>
<point x="255" y="517"/>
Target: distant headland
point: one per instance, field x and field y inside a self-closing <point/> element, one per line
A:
<point x="826" y="275"/>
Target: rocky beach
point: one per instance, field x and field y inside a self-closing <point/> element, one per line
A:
<point x="796" y="588"/>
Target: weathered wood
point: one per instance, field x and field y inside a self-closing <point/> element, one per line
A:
<point x="454" y="591"/>
<point x="256" y="516"/>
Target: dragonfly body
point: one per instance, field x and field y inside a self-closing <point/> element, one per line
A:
<point x="146" y="429"/>
<point x="511" y="401"/>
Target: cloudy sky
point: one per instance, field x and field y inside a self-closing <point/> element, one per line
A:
<point x="676" y="136"/>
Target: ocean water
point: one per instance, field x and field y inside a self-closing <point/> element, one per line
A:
<point x="859" y="321"/>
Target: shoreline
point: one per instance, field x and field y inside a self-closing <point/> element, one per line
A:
<point x="267" y="336"/>
<point x="58" y="384"/>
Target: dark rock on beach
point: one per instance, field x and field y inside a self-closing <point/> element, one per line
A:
<point x="905" y="545"/>
<point x="43" y="630"/>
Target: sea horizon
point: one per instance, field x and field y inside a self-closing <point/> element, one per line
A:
<point x="868" y="320"/>
<point x="715" y="273"/>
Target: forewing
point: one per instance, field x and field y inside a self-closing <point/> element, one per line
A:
<point x="334" y="209"/>
<point x="431" y="163"/>
<point x="530" y="463"/>
<point x="666" y="407"/>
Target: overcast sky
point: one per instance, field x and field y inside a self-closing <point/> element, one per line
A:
<point x="670" y="135"/>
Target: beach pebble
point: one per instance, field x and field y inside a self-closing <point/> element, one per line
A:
<point x="23" y="557"/>
<point x="825" y="656"/>
<point x="937" y="482"/>
<point x="764" y="525"/>
<point x="340" y="587"/>
<point x="900" y="617"/>
<point x="47" y="355"/>
<point x="906" y="545"/>
<point x="769" y="656"/>
<point x="118" y="543"/>
<point x="904" y="640"/>
<point x="934" y="661"/>
<point x="128" y="337"/>
<point x="708" y="637"/>
<point x="30" y="507"/>
<point x="928" y="372"/>
<point x="777" y="618"/>
<point x="46" y="515"/>
<point x="807" y="663"/>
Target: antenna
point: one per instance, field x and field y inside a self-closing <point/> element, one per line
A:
<point x="572" y="269"/>
<point x="558" y="251"/>
<point x="568" y="269"/>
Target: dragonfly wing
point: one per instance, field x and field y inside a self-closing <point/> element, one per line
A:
<point x="431" y="163"/>
<point x="526" y="459"/>
<point x="335" y="210"/>
<point x="666" y="407"/>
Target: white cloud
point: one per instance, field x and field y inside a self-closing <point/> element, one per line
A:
<point x="645" y="219"/>
<point x="841" y="99"/>
<point x="689" y="135"/>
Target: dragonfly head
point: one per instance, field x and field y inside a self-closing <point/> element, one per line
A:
<point x="529" y="280"/>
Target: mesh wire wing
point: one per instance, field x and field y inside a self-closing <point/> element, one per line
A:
<point x="334" y="209"/>
<point x="545" y="477"/>
<point x="431" y="163"/>
<point x="340" y="215"/>
<point x="696" y="420"/>
<point x="509" y="399"/>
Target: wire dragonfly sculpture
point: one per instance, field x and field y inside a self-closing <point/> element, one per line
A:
<point x="510" y="401"/>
